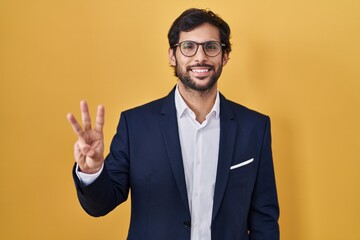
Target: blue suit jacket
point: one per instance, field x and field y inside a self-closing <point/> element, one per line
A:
<point x="145" y="156"/>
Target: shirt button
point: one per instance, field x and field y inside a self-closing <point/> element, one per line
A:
<point x="187" y="224"/>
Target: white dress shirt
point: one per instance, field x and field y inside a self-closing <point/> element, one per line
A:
<point x="200" y="150"/>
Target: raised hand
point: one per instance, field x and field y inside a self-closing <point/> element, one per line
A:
<point x="89" y="148"/>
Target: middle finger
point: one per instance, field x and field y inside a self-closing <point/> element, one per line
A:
<point x="85" y="115"/>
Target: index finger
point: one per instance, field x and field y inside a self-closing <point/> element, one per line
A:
<point x="75" y="125"/>
<point x="100" y="118"/>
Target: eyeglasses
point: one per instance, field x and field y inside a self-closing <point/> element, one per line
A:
<point x="190" y="48"/>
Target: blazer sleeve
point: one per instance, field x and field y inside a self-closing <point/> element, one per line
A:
<point x="112" y="186"/>
<point x="264" y="209"/>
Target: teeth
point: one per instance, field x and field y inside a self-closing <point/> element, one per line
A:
<point x="200" y="70"/>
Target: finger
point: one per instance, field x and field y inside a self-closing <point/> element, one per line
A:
<point x="85" y="115"/>
<point x="86" y="150"/>
<point x="79" y="157"/>
<point x="100" y="118"/>
<point x="75" y="125"/>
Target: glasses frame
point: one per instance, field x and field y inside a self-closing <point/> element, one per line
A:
<point x="222" y="45"/>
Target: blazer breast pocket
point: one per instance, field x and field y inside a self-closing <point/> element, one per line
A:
<point x="241" y="166"/>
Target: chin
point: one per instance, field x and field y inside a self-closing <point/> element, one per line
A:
<point x="199" y="85"/>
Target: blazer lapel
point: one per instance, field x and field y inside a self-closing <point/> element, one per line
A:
<point x="169" y="127"/>
<point x="228" y="129"/>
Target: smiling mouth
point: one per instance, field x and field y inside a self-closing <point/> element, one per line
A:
<point x="200" y="68"/>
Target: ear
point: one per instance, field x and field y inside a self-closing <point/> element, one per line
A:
<point x="172" y="58"/>
<point x="225" y="58"/>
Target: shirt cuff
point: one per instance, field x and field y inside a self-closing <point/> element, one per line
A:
<point x="85" y="178"/>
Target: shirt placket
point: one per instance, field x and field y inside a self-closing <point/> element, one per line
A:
<point x="196" y="195"/>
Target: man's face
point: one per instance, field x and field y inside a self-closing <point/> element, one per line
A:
<point x="199" y="72"/>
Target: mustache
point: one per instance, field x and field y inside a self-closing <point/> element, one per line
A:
<point x="200" y="65"/>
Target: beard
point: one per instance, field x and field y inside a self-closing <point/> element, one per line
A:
<point x="185" y="78"/>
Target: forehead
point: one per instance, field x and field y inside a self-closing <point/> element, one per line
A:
<point x="202" y="33"/>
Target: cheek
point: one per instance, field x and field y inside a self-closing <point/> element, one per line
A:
<point x="181" y="63"/>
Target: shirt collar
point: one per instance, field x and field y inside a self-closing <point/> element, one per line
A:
<point x="182" y="107"/>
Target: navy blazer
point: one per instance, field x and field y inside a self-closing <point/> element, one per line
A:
<point x="145" y="156"/>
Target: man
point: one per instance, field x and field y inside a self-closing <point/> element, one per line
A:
<point x="198" y="165"/>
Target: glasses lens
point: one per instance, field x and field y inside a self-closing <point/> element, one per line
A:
<point x="212" y="48"/>
<point x="188" y="48"/>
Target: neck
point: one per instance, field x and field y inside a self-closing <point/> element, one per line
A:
<point x="200" y="102"/>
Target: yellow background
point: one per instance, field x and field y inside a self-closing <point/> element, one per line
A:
<point x="297" y="61"/>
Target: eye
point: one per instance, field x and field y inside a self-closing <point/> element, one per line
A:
<point x="212" y="46"/>
<point x="188" y="45"/>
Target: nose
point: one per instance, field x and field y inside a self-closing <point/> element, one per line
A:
<point x="200" y="55"/>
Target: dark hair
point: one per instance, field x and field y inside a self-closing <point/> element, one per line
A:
<point x="192" y="18"/>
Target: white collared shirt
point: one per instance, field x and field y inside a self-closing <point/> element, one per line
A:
<point x="200" y="150"/>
